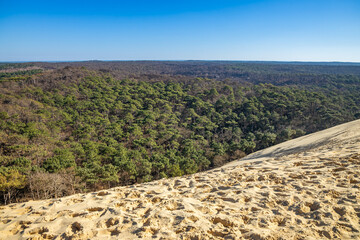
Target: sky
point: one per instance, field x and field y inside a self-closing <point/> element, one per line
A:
<point x="262" y="30"/>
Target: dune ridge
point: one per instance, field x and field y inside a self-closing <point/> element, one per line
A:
<point x="306" y="188"/>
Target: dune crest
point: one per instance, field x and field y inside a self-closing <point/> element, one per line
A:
<point x="306" y="188"/>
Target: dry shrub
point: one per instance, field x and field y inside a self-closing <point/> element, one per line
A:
<point x="220" y="160"/>
<point x="237" y="154"/>
<point x="50" y="185"/>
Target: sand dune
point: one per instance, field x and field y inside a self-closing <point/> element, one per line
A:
<point x="306" y="188"/>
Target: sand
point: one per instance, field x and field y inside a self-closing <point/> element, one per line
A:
<point x="306" y="188"/>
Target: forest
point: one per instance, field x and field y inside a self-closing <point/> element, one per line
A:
<point x="85" y="126"/>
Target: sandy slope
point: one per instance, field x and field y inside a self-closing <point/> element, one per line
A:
<point x="307" y="188"/>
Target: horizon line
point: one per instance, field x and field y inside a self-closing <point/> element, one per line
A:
<point x="178" y="60"/>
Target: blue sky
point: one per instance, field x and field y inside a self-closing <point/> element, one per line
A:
<point x="279" y="30"/>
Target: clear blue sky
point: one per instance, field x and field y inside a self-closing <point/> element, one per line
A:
<point x="281" y="30"/>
